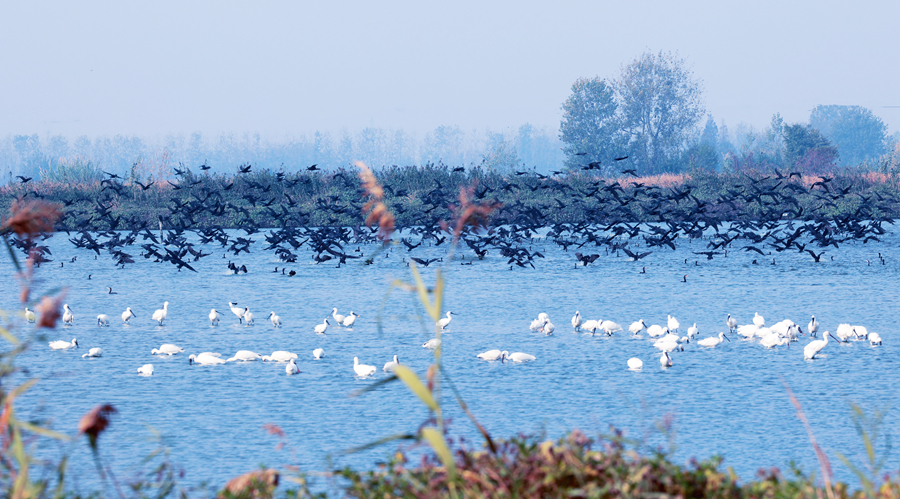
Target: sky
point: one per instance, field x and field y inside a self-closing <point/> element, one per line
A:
<point x="287" y="68"/>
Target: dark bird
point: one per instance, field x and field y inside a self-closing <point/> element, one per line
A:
<point x="622" y="158"/>
<point x="636" y="256"/>
<point x="24" y="180"/>
<point x="244" y="169"/>
<point x="424" y="263"/>
<point x="631" y="172"/>
<point x="313" y="168"/>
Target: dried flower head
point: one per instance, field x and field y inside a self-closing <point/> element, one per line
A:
<point x="30" y="218"/>
<point x="379" y="213"/>
<point x="469" y="213"/>
<point x="254" y="485"/>
<point x="95" y="422"/>
<point x="48" y="309"/>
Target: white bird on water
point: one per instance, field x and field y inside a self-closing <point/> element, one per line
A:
<point x="665" y="360"/>
<point x="758" y="320"/>
<point x="68" y="316"/>
<point x="813" y="327"/>
<point x="206" y="359"/>
<point x="672" y="323"/>
<point x="291" y="368"/>
<point x="245" y="356"/>
<point x="814" y="347"/>
<point x="389" y="367"/>
<point x="520" y="357"/>
<point x="362" y="370"/>
<point x="492" y="355"/>
<point x="844" y="332"/>
<point x="103" y="320"/>
<point x="713" y="341"/>
<point x="590" y="325"/>
<point x="635" y="363"/>
<point x="237" y="311"/>
<point x="145" y="370"/>
<point x="637" y="327"/>
<point x="94" y="352"/>
<point x="276" y="321"/>
<point x="432" y="344"/>
<point x="320" y="328"/>
<point x="445" y="321"/>
<point x="337" y="317"/>
<point x="318" y="353"/>
<point x="63" y="345"/>
<point x="127" y="315"/>
<point x="548" y="328"/>
<point x="861" y="332"/>
<point x="29" y="315"/>
<point x="610" y="327"/>
<point x="668" y="343"/>
<point x="248" y="316"/>
<point x="874" y="339"/>
<point x="693" y="331"/>
<point x="656" y="331"/>
<point x="166" y="349"/>
<point x="576" y="320"/>
<point x="538" y="323"/>
<point x="160" y="315"/>
<point x="773" y="339"/>
<point x="214" y="317"/>
<point x="350" y="319"/>
<point x="731" y="322"/>
<point x="279" y="356"/>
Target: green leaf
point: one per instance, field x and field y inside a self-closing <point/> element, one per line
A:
<point x="39" y="430"/>
<point x="373" y="386"/>
<point x="437" y="442"/>
<point x="433" y="311"/>
<point x="416" y="386"/>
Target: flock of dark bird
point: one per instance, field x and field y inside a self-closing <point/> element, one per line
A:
<point x="323" y="212"/>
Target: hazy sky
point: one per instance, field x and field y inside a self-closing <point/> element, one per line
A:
<point x="283" y="68"/>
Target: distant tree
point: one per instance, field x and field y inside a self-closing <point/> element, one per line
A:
<point x="858" y="134"/>
<point x="806" y="148"/>
<point x="660" y="105"/>
<point x="589" y="126"/>
<point x="710" y="133"/>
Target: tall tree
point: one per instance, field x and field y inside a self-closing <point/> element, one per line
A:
<point x="660" y="106"/>
<point x="806" y="148"/>
<point x="858" y="134"/>
<point x="588" y="126"/>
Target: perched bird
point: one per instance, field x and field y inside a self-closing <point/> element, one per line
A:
<point x="94" y="352"/>
<point x="362" y="370"/>
<point x="160" y="315"/>
<point x="127" y="315"/>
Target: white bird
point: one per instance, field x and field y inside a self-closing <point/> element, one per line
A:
<point x="318" y="353"/>
<point x="127" y="315"/>
<point x="337" y="317"/>
<point x="874" y="339"/>
<point x="63" y="345"/>
<point x="350" y="319"/>
<point x="68" y="316"/>
<point x="166" y="349"/>
<point x="693" y="331"/>
<point x="548" y="328"/>
<point x="656" y="330"/>
<point x="861" y="332"/>
<point x="362" y="370"/>
<point x="245" y="356"/>
<point x="320" y="328"/>
<point x="783" y="327"/>
<point x="772" y="340"/>
<point x="432" y="344"/>
<point x="145" y="370"/>
<point x="103" y="320"/>
<point x="635" y="363"/>
<point x="214" y="317"/>
<point x="731" y="322"/>
<point x="668" y="343"/>
<point x="672" y="323"/>
<point x="238" y="311"/>
<point x="276" y="321"/>
<point x="665" y="360"/>
<point x="445" y="321"/>
<point x="637" y="327"/>
<point x="748" y="330"/>
<point x="291" y="368"/>
<point x="206" y="359"/>
<point x="813" y="327"/>
<point x="29" y="315"/>
<point x="576" y="320"/>
<point x="610" y="327"/>
<point x="160" y="315"/>
<point x="389" y="367"/>
<point x="248" y="316"/>
<point x="94" y="352"/>
<point x="280" y="356"/>
<point x="758" y="319"/>
<point x="844" y="332"/>
<point x="538" y="323"/>
<point x="712" y="341"/>
<point x="520" y="357"/>
<point x="814" y="347"/>
<point x="492" y="355"/>
<point x="590" y="325"/>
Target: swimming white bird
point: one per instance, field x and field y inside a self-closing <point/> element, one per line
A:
<point x="656" y="331"/>
<point x="492" y="355"/>
<point x="214" y="317"/>
<point x="318" y="353"/>
<point x="63" y="345"/>
<point x="248" y="316"/>
<point x="731" y="322"/>
<point x="245" y="356"/>
<point x="320" y="328"/>
<point x="103" y="320"/>
<point x="337" y="317"/>
<point x="758" y="319"/>
<point x="637" y="327"/>
<point x="362" y="370"/>
<point x="206" y="359"/>
<point x="94" y="352"/>
<point x="813" y="327"/>
<point x="29" y="315"/>
<point x="548" y="328"/>
<point x="712" y="341"/>
<point x="68" y="316"/>
<point x="350" y="319"/>
<point x="520" y="357"/>
<point x="160" y="315"/>
<point x="291" y="368"/>
<point x="127" y="315"/>
<point x="576" y="320"/>
<point x="814" y="347"/>
<point x="238" y="311"/>
<point x="635" y="363"/>
<point x="432" y="344"/>
<point x="166" y="349"/>
<point x="389" y="367"/>
<point x="874" y="339"/>
<point x="693" y="331"/>
<point x="665" y="360"/>
<point x="610" y="327"/>
<point x="445" y="321"/>
<point x="672" y="323"/>
<point x="844" y="332"/>
<point x="276" y="321"/>
<point x="145" y="370"/>
<point x="280" y="356"/>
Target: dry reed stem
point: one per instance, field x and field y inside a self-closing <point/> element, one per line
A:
<point x="379" y="213"/>
<point x="30" y="218"/>
<point x="824" y="464"/>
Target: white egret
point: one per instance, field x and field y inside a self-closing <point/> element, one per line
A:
<point x="29" y="315"/>
<point x="103" y="320"/>
<point x="844" y="332"/>
<point x="693" y="331"/>
<point x="320" y="328"/>
<point x="160" y="315"/>
<point x="63" y="345"/>
<point x="576" y="320"/>
<point x="338" y="318"/>
<point x="520" y="357"/>
<point x="874" y="339"/>
<point x="665" y="360"/>
<point x="318" y="353"/>
<point x="245" y="356"/>
<point x="672" y="323"/>
<point x="94" y="352"/>
<point x="166" y="349"/>
<point x="813" y="327"/>
<point x="214" y="317"/>
<point x="276" y="321"/>
<point x="248" y="316"/>
<point x="362" y="370"/>
<point x="492" y="355"/>
<point x="291" y="368"/>
<point x="713" y="340"/>
<point x="445" y="321"/>
<point x="637" y="327"/>
<point x="206" y="359"/>
<point x="145" y="370"/>
<point x="68" y="316"/>
<point x="814" y="347"/>
<point x="237" y="311"/>
<point x="635" y="363"/>
<point x="389" y="366"/>
<point x="350" y="319"/>
<point x="731" y="322"/>
<point x="279" y="356"/>
<point x="432" y="344"/>
<point x="758" y="319"/>
<point x="127" y="315"/>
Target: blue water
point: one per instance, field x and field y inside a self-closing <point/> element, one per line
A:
<point x="730" y="400"/>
